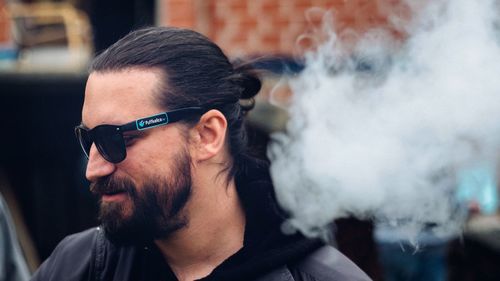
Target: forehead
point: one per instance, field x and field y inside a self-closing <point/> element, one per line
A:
<point x="117" y="97"/>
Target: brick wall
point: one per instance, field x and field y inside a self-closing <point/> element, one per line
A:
<point x="4" y="24"/>
<point x="244" y="27"/>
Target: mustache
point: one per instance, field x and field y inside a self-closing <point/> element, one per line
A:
<point x="111" y="184"/>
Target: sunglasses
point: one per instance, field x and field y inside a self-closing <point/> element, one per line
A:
<point x="109" y="139"/>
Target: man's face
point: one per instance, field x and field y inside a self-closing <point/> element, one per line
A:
<point x="142" y="197"/>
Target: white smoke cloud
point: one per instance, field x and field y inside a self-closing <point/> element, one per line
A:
<point x="388" y="145"/>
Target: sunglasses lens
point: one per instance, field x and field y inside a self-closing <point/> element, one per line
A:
<point x="84" y="139"/>
<point x="108" y="140"/>
<point x="110" y="144"/>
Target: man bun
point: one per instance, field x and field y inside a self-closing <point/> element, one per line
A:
<point x="251" y="85"/>
<point x="247" y="78"/>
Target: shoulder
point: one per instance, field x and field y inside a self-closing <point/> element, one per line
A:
<point x="71" y="258"/>
<point x="325" y="264"/>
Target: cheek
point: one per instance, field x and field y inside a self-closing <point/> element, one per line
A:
<point x="151" y="156"/>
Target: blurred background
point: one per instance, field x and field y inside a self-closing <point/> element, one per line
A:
<point x="45" y="47"/>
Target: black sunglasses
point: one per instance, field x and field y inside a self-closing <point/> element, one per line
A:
<point x="109" y="138"/>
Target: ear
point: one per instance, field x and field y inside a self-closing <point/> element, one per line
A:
<point x="208" y="136"/>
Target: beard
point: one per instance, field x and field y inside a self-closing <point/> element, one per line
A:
<point x="150" y="212"/>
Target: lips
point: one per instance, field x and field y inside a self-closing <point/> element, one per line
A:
<point x="113" y="197"/>
<point x="114" y="192"/>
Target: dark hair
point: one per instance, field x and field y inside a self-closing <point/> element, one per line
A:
<point x="197" y="73"/>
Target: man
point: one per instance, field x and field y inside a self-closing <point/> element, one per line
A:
<point x="181" y="197"/>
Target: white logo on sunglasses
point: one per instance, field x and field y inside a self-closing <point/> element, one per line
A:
<point x="152" y="121"/>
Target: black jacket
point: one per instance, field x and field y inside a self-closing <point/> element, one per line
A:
<point x="267" y="254"/>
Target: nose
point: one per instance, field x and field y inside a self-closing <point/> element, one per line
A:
<point x="97" y="166"/>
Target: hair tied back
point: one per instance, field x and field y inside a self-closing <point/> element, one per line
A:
<point x="247" y="78"/>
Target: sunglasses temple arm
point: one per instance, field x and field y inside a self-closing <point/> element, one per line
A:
<point x="183" y="113"/>
<point x="173" y="116"/>
<point x="129" y="127"/>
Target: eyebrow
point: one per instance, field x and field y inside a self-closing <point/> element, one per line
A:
<point x="82" y="124"/>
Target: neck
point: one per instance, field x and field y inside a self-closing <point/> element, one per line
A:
<point x="215" y="232"/>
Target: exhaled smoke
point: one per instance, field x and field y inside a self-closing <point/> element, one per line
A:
<point x="383" y="133"/>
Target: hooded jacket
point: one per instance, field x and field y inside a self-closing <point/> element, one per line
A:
<point x="267" y="254"/>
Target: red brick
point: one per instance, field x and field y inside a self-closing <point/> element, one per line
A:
<point x="270" y="6"/>
<point x="4" y="24"/>
<point x="180" y="13"/>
